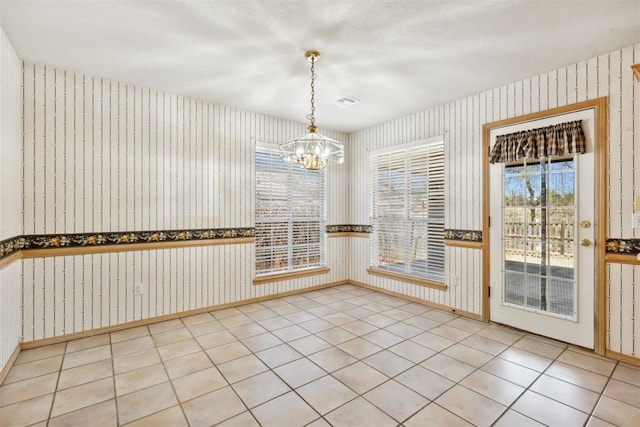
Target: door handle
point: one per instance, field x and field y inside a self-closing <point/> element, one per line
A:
<point x="585" y="242"/>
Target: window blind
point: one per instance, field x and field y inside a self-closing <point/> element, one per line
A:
<point x="407" y="205"/>
<point x="290" y="215"/>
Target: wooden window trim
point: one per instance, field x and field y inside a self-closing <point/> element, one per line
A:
<point x="289" y="275"/>
<point x="408" y="279"/>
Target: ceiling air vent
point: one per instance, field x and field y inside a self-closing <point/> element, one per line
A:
<point x="346" y="101"/>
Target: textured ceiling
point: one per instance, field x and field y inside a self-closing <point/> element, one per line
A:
<point x="396" y="57"/>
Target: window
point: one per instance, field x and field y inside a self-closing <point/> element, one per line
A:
<point x="290" y="215"/>
<point x="407" y="205"/>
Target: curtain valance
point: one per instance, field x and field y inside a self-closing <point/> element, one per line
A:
<point x="551" y="141"/>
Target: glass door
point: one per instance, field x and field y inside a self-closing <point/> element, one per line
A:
<point x="542" y="257"/>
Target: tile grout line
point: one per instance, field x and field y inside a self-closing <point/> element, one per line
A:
<point x="541" y="373"/>
<point x="215" y="365"/>
<point x="164" y="367"/>
<point x="381" y="350"/>
<point x="306" y="356"/>
<point x="170" y="380"/>
<point x="363" y="361"/>
<point x="358" y="395"/>
<point x="604" y="388"/>
<point x="113" y="373"/>
<point x="433" y="401"/>
<point x="55" y="390"/>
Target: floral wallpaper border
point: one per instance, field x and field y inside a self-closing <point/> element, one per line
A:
<point x="623" y="246"/>
<point x="50" y="241"/>
<point x="463" y="235"/>
<point x="9" y="246"/>
<point x="349" y="228"/>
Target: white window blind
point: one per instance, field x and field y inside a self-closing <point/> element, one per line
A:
<point x="290" y="215"/>
<point x="407" y="205"/>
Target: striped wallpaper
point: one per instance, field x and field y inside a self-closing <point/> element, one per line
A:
<point x="461" y="122"/>
<point x="10" y="193"/>
<point x="107" y="156"/>
<point x="102" y="155"/>
<point x="623" y="308"/>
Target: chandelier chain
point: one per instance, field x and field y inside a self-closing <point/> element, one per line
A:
<point x="312" y="116"/>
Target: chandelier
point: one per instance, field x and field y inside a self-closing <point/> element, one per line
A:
<point x="312" y="151"/>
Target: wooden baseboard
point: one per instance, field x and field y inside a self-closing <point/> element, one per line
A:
<point x="622" y="357"/>
<point x="150" y="321"/>
<point x="7" y="366"/>
<point x="419" y="301"/>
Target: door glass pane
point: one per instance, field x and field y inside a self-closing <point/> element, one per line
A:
<point x="515" y="293"/>
<point x="534" y="291"/>
<point x="538" y="239"/>
<point x="560" y="296"/>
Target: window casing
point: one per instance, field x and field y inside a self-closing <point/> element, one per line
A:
<point x="407" y="206"/>
<point x="290" y="215"/>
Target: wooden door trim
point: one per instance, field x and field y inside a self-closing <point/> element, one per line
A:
<point x="600" y="107"/>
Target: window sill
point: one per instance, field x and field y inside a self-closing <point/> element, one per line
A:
<point x="290" y="275"/>
<point x="408" y="279"/>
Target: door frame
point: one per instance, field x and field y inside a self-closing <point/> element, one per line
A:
<point x="600" y="107"/>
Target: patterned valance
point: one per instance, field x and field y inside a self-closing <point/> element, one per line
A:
<point x="551" y="141"/>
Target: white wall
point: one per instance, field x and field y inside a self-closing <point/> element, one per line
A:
<point x="461" y="123"/>
<point x="108" y="156"/>
<point x="10" y="193"/>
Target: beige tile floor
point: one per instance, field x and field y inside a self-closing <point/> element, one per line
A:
<point x="343" y="356"/>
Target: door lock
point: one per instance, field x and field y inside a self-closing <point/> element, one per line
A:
<point x="585" y="242"/>
<point x="585" y="224"/>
